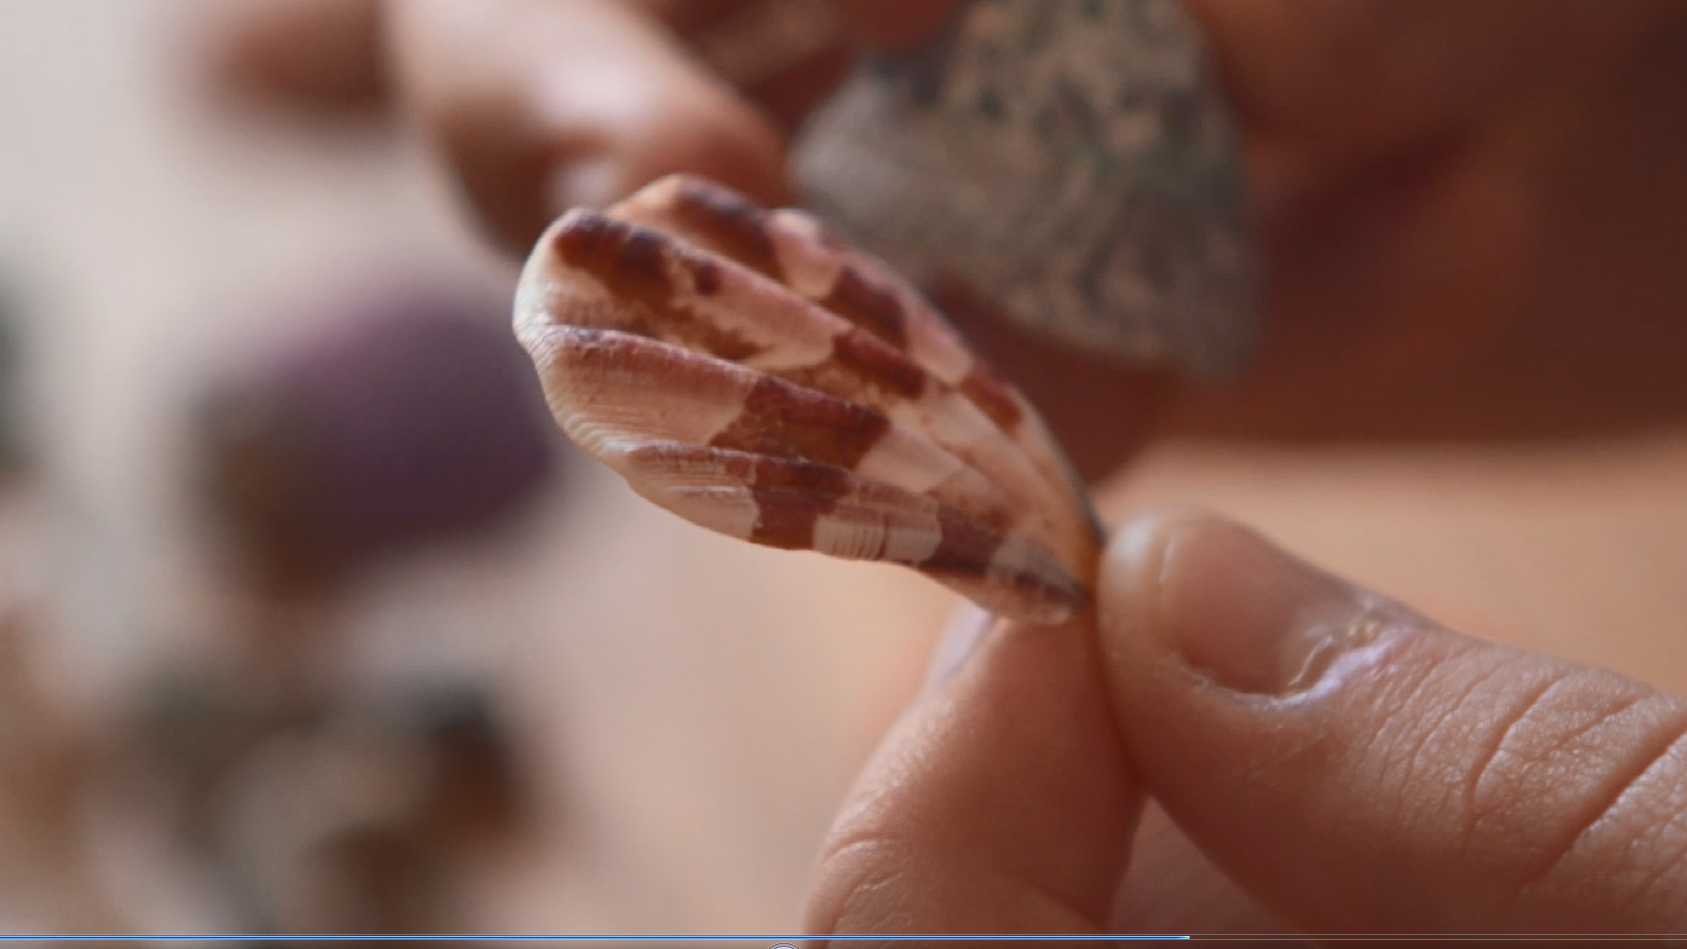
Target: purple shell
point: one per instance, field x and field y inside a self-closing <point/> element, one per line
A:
<point x="411" y="418"/>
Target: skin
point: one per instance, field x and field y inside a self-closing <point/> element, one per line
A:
<point x="1448" y="197"/>
<point x="1470" y="216"/>
<point x="1412" y="779"/>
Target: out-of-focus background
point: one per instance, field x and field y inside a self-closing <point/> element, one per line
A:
<point x="310" y="621"/>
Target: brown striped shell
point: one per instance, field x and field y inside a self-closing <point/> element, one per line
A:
<point x="743" y="369"/>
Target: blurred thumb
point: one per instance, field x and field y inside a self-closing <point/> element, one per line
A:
<point x="1361" y="769"/>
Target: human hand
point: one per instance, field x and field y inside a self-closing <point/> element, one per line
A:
<point x="1349" y="765"/>
<point x="1469" y="215"/>
<point x="540" y="105"/>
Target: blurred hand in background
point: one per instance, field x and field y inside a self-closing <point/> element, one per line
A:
<point x="1469" y="214"/>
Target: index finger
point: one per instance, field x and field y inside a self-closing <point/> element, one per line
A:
<point x="1001" y="802"/>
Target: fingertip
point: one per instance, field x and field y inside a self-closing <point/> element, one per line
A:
<point x="316" y="56"/>
<point x="1226" y="603"/>
<point x="686" y="123"/>
<point x="1131" y="577"/>
<point x="715" y="135"/>
<point x="546" y="107"/>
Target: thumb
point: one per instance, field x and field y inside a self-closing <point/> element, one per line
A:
<point x="1361" y="769"/>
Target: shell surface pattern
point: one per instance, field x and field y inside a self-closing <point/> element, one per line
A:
<point x="745" y="370"/>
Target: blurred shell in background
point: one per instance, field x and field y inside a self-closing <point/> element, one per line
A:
<point x="405" y="418"/>
<point x="1071" y="161"/>
<point x="309" y="812"/>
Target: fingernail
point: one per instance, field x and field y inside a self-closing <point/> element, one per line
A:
<point x="594" y="182"/>
<point x="1235" y="608"/>
<point x="959" y="641"/>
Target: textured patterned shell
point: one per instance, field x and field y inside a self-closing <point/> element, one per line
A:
<point x="745" y="370"/>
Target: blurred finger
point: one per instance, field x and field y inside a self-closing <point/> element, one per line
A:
<point x="784" y="56"/>
<point x="541" y="105"/>
<point x="897" y="23"/>
<point x="308" y="54"/>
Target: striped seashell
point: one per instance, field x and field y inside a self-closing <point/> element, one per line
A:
<point x="747" y="371"/>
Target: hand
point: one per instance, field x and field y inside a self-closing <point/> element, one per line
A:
<point x="1468" y="226"/>
<point x="541" y="105"/>
<point x="1469" y="213"/>
<point x="1351" y="766"/>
